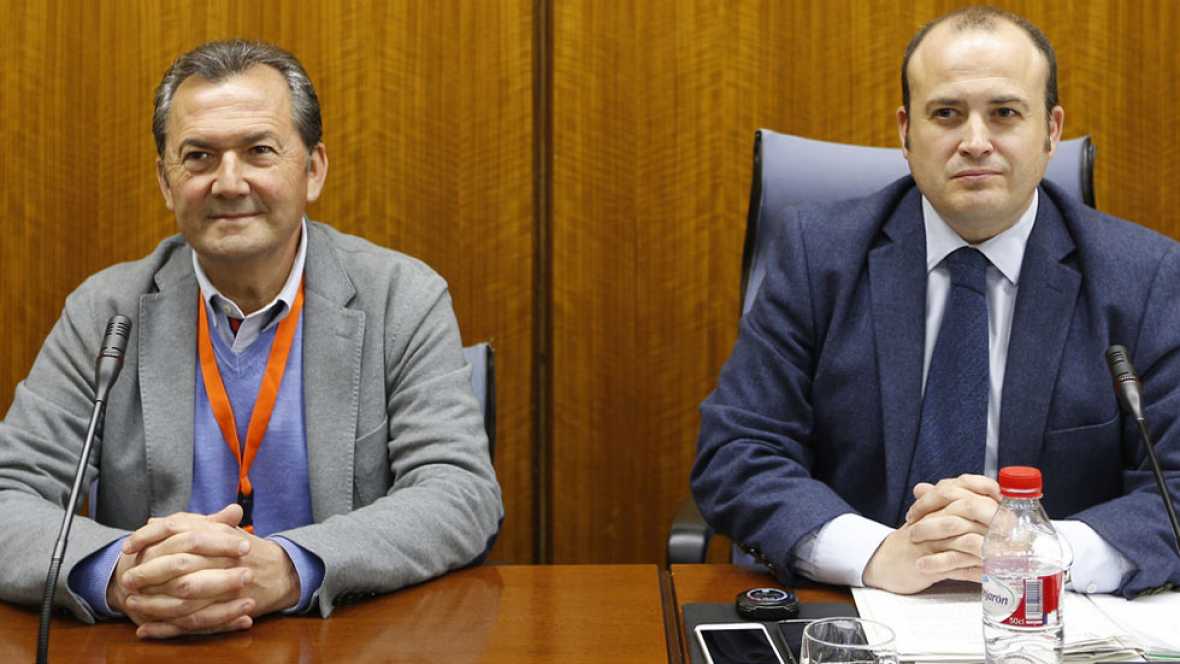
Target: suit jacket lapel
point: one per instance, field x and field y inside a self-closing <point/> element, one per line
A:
<point x="333" y="338"/>
<point x="1045" y="300"/>
<point x="897" y="282"/>
<point x="167" y="346"/>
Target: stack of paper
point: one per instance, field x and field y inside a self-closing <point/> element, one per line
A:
<point x="945" y="624"/>
<point x="1153" y="621"/>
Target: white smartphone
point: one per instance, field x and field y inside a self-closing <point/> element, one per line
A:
<point x="737" y="643"/>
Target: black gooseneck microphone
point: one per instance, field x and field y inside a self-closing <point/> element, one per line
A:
<point x="106" y="370"/>
<point x="1129" y="390"/>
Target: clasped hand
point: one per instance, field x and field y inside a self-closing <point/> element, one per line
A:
<point x="942" y="537"/>
<point x="197" y="574"/>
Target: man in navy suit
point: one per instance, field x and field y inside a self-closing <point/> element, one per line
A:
<point x="816" y="453"/>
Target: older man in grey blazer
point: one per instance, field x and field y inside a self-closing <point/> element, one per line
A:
<point x="294" y="425"/>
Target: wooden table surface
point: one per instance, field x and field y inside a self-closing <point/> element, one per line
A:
<point x="721" y="584"/>
<point x="519" y="614"/>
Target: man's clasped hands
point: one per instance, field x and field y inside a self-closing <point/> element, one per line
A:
<point x="197" y="574"/>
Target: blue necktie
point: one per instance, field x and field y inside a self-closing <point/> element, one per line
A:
<point x="952" y="434"/>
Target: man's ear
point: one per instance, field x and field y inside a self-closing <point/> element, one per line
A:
<point x="162" y="180"/>
<point x="903" y="130"/>
<point x="1056" y="123"/>
<point x="317" y="171"/>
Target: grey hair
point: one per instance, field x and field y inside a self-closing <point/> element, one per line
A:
<point x="218" y="60"/>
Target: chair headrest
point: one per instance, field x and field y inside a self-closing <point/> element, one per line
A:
<point x="802" y="170"/>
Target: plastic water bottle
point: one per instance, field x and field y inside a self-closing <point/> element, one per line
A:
<point x="1023" y="576"/>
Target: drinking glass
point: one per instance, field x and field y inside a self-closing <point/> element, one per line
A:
<point x="848" y="641"/>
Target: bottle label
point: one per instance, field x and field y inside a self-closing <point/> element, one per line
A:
<point x="1024" y="602"/>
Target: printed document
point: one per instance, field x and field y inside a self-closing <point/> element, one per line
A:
<point x="945" y="624"/>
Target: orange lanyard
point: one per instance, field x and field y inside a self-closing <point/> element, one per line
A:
<point x="264" y="405"/>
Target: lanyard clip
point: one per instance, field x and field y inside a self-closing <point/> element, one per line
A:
<point x="247" y="503"/>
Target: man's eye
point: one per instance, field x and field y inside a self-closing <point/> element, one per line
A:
<point x="945" y="113"/>
<point x="194" y="156"/>
<point x="1007" y="112"/>
<point x="263" y="149"/>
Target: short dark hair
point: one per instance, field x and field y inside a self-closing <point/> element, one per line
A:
<point x="218" y="60"/>
<point x="985" y="17"/>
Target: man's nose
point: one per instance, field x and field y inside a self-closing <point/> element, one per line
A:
<point x="230" y="180"/>
<point x="976" y="141"/>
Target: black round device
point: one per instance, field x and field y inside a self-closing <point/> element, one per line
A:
<point x="763" y="604"/>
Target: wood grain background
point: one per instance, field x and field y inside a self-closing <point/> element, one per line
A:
<point x="654" y="109"/>
<point x="628" y="267"/>
<point x="428" y="124"/>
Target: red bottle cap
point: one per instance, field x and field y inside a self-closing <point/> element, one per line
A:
<point x="1020" y="482"/>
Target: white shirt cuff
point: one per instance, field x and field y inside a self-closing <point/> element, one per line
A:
<point x="838" y="551"/>
<point x="1097" y="566"/>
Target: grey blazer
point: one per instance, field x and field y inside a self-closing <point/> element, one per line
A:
<point x="402" y="487"/>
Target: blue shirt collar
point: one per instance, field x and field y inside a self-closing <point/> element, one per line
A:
<point x="1005" y="251"/>
<point x="285" y="299"/>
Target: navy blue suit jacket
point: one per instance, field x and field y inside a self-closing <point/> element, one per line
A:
<point x="816" y="411"/>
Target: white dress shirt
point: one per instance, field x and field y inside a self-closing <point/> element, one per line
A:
<point x="839" y="551"/>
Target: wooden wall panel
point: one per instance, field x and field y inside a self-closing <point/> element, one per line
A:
<point x="654" y="107"/>
<point x="428" y="123"/>
<point x="429" y="118"/>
